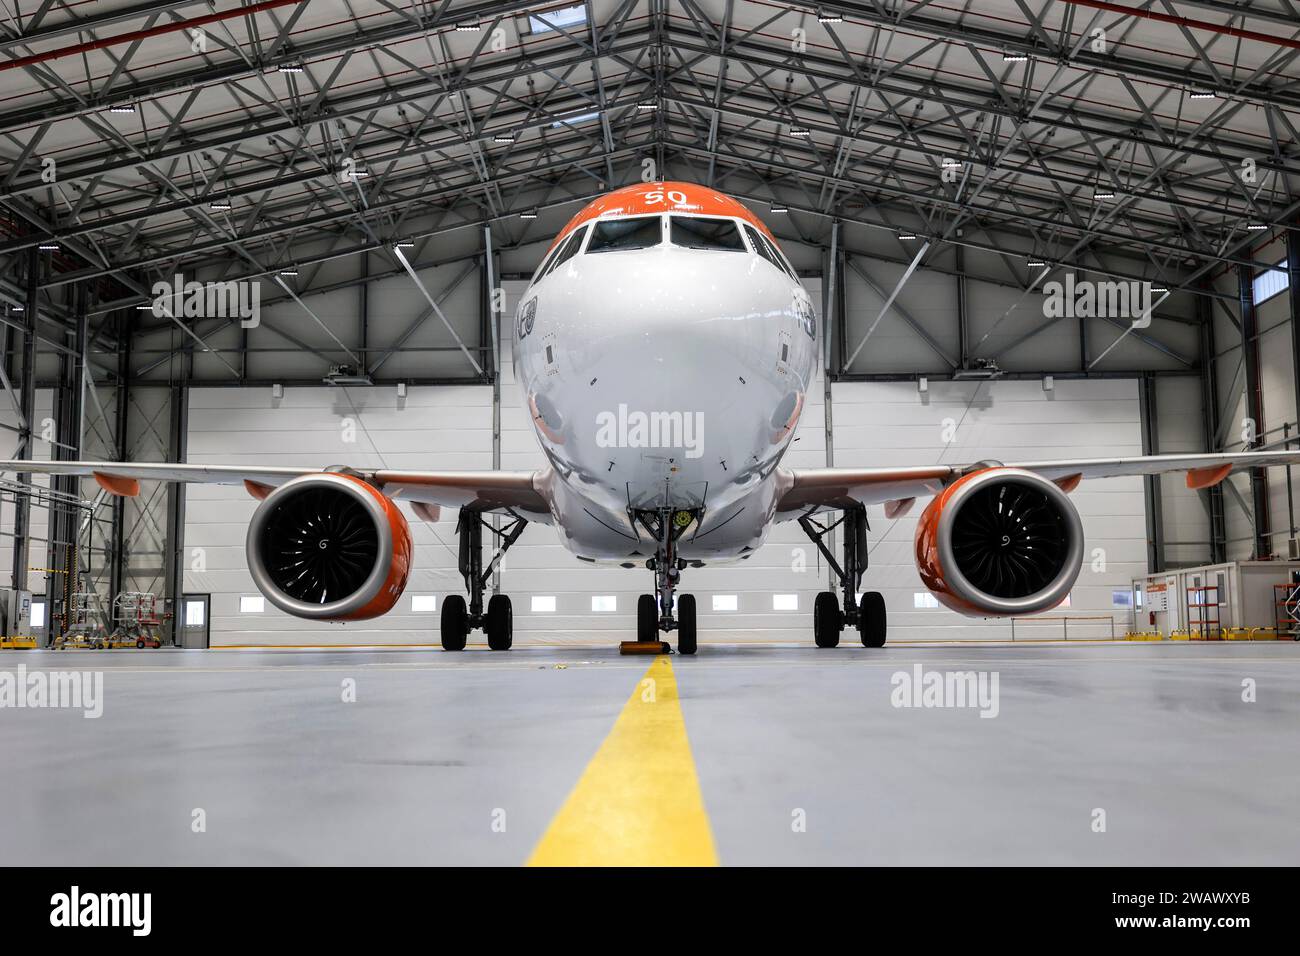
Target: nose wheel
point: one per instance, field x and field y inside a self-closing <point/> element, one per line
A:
<point x="656" y="613"/>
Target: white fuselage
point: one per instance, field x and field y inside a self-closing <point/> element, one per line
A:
<point x="664" y="377"/>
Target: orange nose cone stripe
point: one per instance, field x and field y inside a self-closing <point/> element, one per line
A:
<point x="646" y="198"/>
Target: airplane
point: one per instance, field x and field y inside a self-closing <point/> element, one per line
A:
<point x="664" y="348"/>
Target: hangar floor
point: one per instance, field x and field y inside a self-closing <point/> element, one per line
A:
<point x="749" y="755"/>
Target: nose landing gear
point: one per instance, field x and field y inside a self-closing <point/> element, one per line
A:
<point x="458" y="619"/>
<point x="868" y="614"/>
<point x="655" y="612"/>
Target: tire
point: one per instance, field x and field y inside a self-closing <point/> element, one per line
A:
<point x="139" y="645"/>
<point x="686" y="624"/>
<point x="455" y="623"/>
<point x="872" y="622"/>
<point x="647" y="618"/>
<point x="500" y="623"/>
<point x="827" y="620"/>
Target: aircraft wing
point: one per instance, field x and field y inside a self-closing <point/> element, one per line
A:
<point x="520" y="491"/>
<point x="806" y="489"/>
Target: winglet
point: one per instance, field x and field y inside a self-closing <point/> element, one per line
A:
<point x="1198" y="478"/>
<point x="117" y="485"/>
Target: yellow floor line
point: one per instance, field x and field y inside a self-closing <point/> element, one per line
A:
<point x="638" y="803"/>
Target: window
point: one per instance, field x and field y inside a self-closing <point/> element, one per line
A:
<point x="38" y="612"/>
<point x="543" y="604"/>
<point x="616" y="235"/>
<point x="568" y="250"/>
<point x="564" y="17"/>
<point x="725" y="602"/>
<point x="785" y="602"/>
<point x="1270" y="282"/>
<point x="252" y="604"/>
<point x="604" y="602"/>
<point x="694" y="232"/>
<point x="424" y="603"/>
<point x="761" y="247"/>
<point x="924" y="599"/>
<point x="194" y="613"/>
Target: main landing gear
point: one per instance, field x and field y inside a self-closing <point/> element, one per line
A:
<point x="655" y="612"/>
<point x="458" y="619"/>
<point x="867" y="615"/>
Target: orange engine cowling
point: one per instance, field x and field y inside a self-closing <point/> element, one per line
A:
<point x="1000" y="542"/>
<point x="329" y="547"/>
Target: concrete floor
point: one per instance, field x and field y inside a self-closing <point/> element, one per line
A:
<point x="1156" y="734"/>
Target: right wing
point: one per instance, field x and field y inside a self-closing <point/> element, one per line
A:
<point x="517" y="491"/>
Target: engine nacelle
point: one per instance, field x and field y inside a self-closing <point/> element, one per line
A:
<point x="329" y="547"/>
<point x="1000" y="542"/>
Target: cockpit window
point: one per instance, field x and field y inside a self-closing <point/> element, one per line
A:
<point x="615" y="235"/>
<point x="694" y="232"/>
<point x="764" y="247"/>
<point x="568" y="250"/>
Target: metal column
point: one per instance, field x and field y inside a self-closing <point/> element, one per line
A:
<point x="26" y="412"/>
<point x="830" y="325"/>
<point x="1254" y="409"/>
<point x="121" y="419"/>
<point x="1213" y="496"/>
<point x="174" y="545"/>
<point x="1151" y="483"/>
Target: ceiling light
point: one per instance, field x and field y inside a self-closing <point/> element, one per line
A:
<point x="290" y="68"/>
<point x="48" y="247"/>
<point x="1014" y="57"/>
<point x="503" y="138"/>
<point x="122" y="108"/>
<point x="530" y="214"/>
<point x="1256" y="226"/>
<point x="952" y="164"/>
<point x="1033" y="263"/>
<point x="288" y="272"/>
<point x="829" y="16"/>
<point x="779" y="207"/>
<point x="647" y="107"/>
<point x="468" y="27"/>
<point x="907" y="235"/>
<point x="220" y="204"/>
<point x="1203" y="94"/>
<point x="406" y="244"/>
<point x="800" y="131"/>
<point x="1159" y="288"/>
<point x="1103" y="194"/>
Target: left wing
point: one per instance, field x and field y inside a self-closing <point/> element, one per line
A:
<point x="804" y="489"/>
<point x="521" y="491"/>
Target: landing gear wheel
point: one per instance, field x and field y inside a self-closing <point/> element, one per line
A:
<point x="455" y="623"/>
<point x="647" y="618"/>
<point x="827" y="620"/>
<point x="139" y="645"/>
<point x="686" y="624"/>
<point x="871" y="619"/>
<point x="500" y="623"/>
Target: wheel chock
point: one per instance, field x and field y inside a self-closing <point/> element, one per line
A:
<point x="645" y="647"/>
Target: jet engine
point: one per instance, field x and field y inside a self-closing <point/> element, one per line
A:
<point x="329" y="547"/>
<point x="1000" y="542"/>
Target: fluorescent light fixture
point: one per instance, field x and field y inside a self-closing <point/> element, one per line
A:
<point x="529" y="214"/>
<point x="725" y="602"/>
<point x="291" y="68"/>
<point x="543" y="604"/>
<point x="1256" y="226"/>
<point x="144" y="308"/>
<point x="952" y="164"/>
<point x="219" y="204"/>
<point x="649" y="106"/>
<point x="907" y="235"/>
<point x="252" y="604"/>
<point x="1014" y="57"/>
<point x="1159" y="288"/>
<point x="779" y="207"/>
<point x="800" y="131"/>
<point x="122" y="108"/>
<point x="406" y="244"/>
<point x="467" y="26"/>
<point x="1103" y="194"/>
<point x="573" y="118"/>
<point x="785" y="602"/>
<point x="424" y="603"/>
<point x="829" y="16"/>
<point x="1033" y="262"/>
<point x="48" y="247"/>
<point x="288" y="272"/>
<point x="1204" y="95"/>
<point x="503" y="137"/>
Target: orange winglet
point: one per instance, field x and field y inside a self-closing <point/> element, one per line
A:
<point x="117" y="485"/>
<point x="1198" y="478"/>
<point x="1068" y="483"/>
<point x="257" y="489"/>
